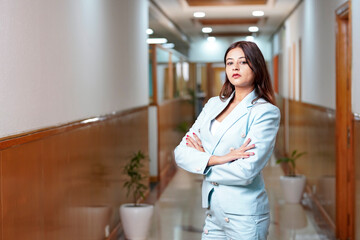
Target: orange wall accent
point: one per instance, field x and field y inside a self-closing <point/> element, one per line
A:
<point x="70" y="185"/>
<point x="171" y="114"/>
<point x="357" y="173"/>
<point x="276" y="73"/>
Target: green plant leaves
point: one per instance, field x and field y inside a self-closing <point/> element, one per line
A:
<point x="133" y="170"/>
<point x="291" y="160"/>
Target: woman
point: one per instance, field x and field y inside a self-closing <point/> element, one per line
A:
<point x="230" y="143"/>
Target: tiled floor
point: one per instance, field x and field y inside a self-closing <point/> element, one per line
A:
<point x="179" y="216"/>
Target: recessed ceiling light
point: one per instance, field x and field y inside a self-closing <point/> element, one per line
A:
<point x="258" y="13"/>
<point x="206" y="29"/>
<point x="149" y="31"/>
<point x="156" y="40"/>
<point x="168" y="45"/>
<point x="253" y="29"/>
<point x="199" y="14"/>
<point x="211" y="39"/>
<point x="249" y="38"/>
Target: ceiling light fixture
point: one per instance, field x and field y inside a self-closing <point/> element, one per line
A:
<point x="211" y="39"/>
<point x="249" y="38"/>
<point x="156" y="40"/>
<point x="258" y="13"/>
<point x="206" y="29"/>
<point x="168" y="45"/>
<point x="199" y="14"/>
<point x="149" y="31"/>
<point x="253" y="29"/>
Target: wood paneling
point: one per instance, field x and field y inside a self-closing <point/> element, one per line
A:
<point x="229" y="21"/>
<point x="357" y="172"/>
<point x="312" y="130"/>
<point x="171" y="114"/>
<point x="229" y="34"/>
<point x="276" y="73"/>
<point x="69" y="185"/>
<point x="154" y="73"/>
<point x="209" y="81"/>
<point x="22" y="192"/>
<point x="26" y="137"/>
<point x="225" y="2"/>
<point x="1" y="208"/>
<point x="345" y="185"/>
<point x="280" y="137"/>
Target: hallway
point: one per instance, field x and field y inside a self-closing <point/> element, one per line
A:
<point x="179" y="216"/>
<point x="84" y="86"/>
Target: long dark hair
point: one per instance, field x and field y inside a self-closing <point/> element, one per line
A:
<point x="262" y="83"/>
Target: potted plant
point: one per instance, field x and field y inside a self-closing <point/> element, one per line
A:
<point x="135" y="216"/>
<point x="292" y="184"/>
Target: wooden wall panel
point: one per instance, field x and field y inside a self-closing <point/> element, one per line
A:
<point x="276" y="73"/>
<point x="22" y="192"/>
<point x="171" y="114"/>
<point x="280" y="137"/>
<point x="312" y="129"/>
<point x="55" y="162"/>
<point x="1" y="208"/>
<point x="357" y="174"/>
<point x="70" y="185"/>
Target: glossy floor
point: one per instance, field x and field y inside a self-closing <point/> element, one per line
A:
<point x="179" y="216"/>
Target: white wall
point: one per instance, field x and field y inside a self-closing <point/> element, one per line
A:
<point x="65" y="60"/>
<point x="202" y="50"/>
<point x="313" y="22"/>
<point x="356" y="57"/>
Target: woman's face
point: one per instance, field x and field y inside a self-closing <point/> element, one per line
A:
<point x="238" y="70"/>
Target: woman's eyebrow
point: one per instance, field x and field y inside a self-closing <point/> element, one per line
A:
<point x="233" y="59"/>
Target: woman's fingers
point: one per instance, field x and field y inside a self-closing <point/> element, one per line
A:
<point x="240" y="153"/>
<point x="246" y="142"/>
<point x="189" y="143"/>
<point x="249" y="147"/>
<point x="197" y="139"/>
<point x="192" y="143"/>
<point x="249" y="154"/>
<point x="191" y="140"/>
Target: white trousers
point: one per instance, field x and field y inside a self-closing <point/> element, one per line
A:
<point x="224" y="226"/>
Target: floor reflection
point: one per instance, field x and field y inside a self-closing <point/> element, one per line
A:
<point x="179" y="216"/>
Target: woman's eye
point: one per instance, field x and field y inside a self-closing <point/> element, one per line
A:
<point x="243" y="62"/>
<point x="229" y="63"/>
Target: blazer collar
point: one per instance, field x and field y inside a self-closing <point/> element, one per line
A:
<point x="238" y="112"/>
<point x="244" y="104"/>
<point x="248" y="100"/>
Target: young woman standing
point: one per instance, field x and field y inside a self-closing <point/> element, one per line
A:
<point x="230" y="143"/>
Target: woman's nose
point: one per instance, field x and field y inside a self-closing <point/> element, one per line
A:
<point x="236" y="66"/>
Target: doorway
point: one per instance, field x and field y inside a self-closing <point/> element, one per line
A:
<point x="345" y="169"/>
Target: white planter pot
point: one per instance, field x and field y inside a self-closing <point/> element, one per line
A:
<point x="293" y="187"/>
<point x="136" y="220"/>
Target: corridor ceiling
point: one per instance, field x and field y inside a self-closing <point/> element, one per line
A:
<point x="174" y="19"/>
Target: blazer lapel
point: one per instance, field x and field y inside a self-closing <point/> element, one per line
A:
<point x="237" y="113"/>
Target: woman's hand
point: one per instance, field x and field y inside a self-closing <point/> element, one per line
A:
<point x="194" y="142"/>
<point x="234" y="154"/>
<point x="241" y="152"/>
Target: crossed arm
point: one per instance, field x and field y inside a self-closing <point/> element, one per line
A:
<point x="234" y="154"/>
<point x="240" y="166"/>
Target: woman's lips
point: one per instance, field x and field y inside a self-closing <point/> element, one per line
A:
<point x="236" y="75"/>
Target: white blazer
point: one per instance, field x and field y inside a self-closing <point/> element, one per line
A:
<point x="239" y="183"/>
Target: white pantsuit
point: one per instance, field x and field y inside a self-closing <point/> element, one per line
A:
<point x="238" y="185"/>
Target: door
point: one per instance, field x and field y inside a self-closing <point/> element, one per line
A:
<point x="345" y="169"/>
